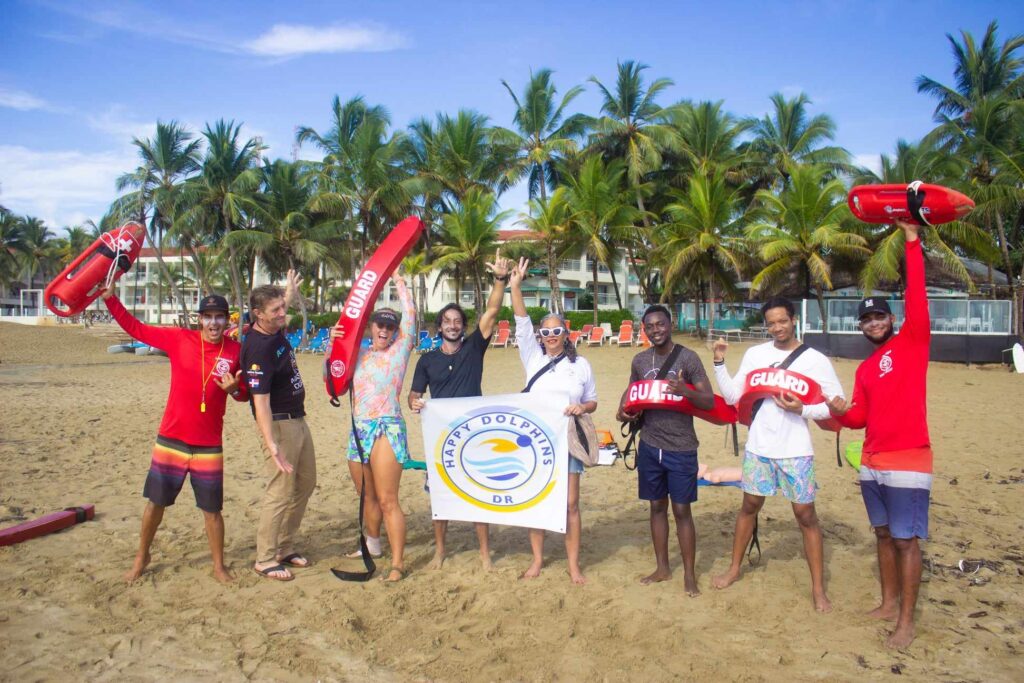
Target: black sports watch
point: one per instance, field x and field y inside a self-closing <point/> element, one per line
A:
<point x="502" y="278"/>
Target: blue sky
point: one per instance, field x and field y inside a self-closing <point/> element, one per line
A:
<point x="79" y="79"/>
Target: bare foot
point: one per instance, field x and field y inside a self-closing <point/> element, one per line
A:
<point x="486" y="564"/>
<point x="438" y="561"/>
<point x="533" y="572"/>
<point x="576" y="576"/>
<point x="901" y="637"/>
<point x="725" y="580"/>
<point x="885" y="612"/>
<point x="658" y="576"/>
<point x="394" y="575"/>
<point x="139" y="566"/>
<point x="223" y="575"/>
<point x="690" y="585"/>
<point x="821" y="602"/>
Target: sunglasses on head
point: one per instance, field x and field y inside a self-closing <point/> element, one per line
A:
<point x="551" y="331"/>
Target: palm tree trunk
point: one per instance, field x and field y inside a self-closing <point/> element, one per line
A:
<point x="644" y="283"/>
<point x="711" y="304"/>
<point x="166" y="274"/>
<point x="698" y="303"/>
<point x="478" y="293"/>
<point x="1015" y="318"/>
<point x="821" y="310"/>
<point x="556" y="293"/>
<point x="593" y="281"/>
<point x="160" y="282"/>
<point x="615" y="285"/>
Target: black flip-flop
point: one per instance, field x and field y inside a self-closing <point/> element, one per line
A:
<point x="290" y="561"/>
<point x="266" y="572"/>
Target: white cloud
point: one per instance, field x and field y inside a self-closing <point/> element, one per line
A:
<point x="287" y="40"/>
<point x="20" y="100"/>
<point x="62" y="187"/>
<point x="117" y="122"/>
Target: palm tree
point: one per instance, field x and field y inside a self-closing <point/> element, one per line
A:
<point x="550" y="219"/>
<point x="636" y="130"/>
<point x="167" y="159"/>
<point x="215" y="200"/>
<point x="703" y="236"/>
<point x="37" y="256"/>
<point x="545" y="133"/>
<point x="362" y="167"/>
<point x="980" y="72"/>
<point x="789" y="136"/>
<point x="13" y="246"/>
<point x="466" y="156"/>
<point x="977" y="121"/>
<point x="470" y="233"/>
<point x="708" y="139"/>
<point x="599" y="215"/>
<point x="288" y="234"/>
<point x="805" y="229"/>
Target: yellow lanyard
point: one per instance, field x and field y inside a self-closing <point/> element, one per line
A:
<point x="202" y="367"/>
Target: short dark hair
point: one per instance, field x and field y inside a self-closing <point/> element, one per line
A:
<point x="656" y="308"/>
<point x="263" y="295"/>
<point x="450" y="307"/>
<point x="778" y="302"/>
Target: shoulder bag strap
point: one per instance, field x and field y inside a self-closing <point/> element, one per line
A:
<point x="794" y="354"/>
<point x="550" y="364"/>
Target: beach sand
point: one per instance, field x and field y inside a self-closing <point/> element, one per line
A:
<point x="77" y="426"/>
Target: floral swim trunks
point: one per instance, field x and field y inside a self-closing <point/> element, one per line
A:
<point x="793" y="477"/>
<point x="392" y="428"/>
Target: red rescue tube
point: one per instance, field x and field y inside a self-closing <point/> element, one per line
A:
<point x="767" y="383"/>
<point x="915" y="203"/>
<point x="359" y="304"/>
<point x="47" y="524"/>
<point x="83" y="280"/>
<point x="654" y="394"/>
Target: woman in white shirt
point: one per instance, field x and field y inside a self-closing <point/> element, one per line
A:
<point x="568" y="373"/>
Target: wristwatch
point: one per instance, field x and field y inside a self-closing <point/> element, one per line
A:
<point x="502" y="278"/>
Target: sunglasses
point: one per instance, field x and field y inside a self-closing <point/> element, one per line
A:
<point x="551" y="331"/>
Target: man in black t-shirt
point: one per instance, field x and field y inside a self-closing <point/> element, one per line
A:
<point x="278" y="404"/>
<point x="455" y="371"/>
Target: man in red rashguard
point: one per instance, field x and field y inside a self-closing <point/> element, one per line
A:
<point x="889" y="401"/>
<point x="204" y="370"/>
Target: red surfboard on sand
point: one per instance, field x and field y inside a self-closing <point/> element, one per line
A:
<point x="84" y="279"/>
<point x="768" y="382"/>
<point x="47" y="524"/>
<point x="915" y="203"/>
<point x="654" y="394"/>
<point x="359" y="304"/>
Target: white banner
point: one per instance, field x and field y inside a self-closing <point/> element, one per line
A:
<point x="498" y="459"/>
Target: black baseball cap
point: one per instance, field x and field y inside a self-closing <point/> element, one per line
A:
<point x="385" y="317"/>
<point x="213" y="302"/>
<point x="874" y="304"/>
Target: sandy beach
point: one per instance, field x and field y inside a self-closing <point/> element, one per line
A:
<point x="77" y="426"/>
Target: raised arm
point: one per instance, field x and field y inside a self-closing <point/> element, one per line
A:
<point x="160" y="337"/>
<point x="528" y="348"/>
<point x="915" y="323"/>
<point x="731" y="387"/>
<point x="500" y="269"/>
<point x="407" y="329"/>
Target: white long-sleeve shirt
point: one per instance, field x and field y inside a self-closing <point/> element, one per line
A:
<point x="778" y="433"/>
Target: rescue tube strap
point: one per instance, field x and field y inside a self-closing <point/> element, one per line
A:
<point x="781" y="366"/>
<point x="915" y="201"/>
<point x="368" y="562"/>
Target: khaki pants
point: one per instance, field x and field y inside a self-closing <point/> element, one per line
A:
<point x="284" y="501"/>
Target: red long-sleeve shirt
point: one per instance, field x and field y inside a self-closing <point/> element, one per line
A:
<point x="183" y="419"/>
<point x="890" y="389"/>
